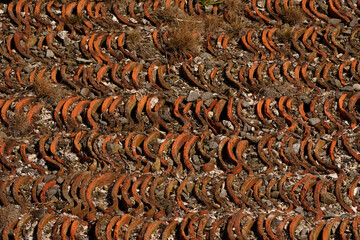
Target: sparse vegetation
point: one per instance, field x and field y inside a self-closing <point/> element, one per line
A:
<point x="76" y="20"/>
<point x="45" y="89"/>
<point x="285" y="34"/>
<point x="278" y="90"/>
<point x="8" y="214"/>
<point x="293" y="15"/>
<point x="185" y="32"/>
<point x="210" y="2"/>
<point x="235" y="9"/>
<point x="19" y="125"/>
<point x="183" y="39"/>
<point x="213" y="23"/>
<point x="134" y="39"/>
<point x="239" y="26"/>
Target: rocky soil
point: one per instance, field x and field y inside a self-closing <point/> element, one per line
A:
<point x="156" y="119"/>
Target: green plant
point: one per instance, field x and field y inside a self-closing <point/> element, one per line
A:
<point x="205" y="3"/>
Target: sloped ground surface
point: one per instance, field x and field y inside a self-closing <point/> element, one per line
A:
<point x="180" y="119"/>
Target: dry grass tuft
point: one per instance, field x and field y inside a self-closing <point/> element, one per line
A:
<point x="19" y="125"/>
<point x="184" y="39"/>
<point x="185" y="31"/>
<point x="76" y="20"/>
<point x="285" y="34"/>
<point x="293" y="15"/>
<point x="8" y="214"/>
<point x="213" y="23"/>
<point x="171" y="15"/>
<point x="134" y="39"/>
<point x="45" y="89"/>
<point x="235" y="9"/>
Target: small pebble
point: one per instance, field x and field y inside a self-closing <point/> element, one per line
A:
<point x="314" y="121"/>
<point x="228" y="124"/>
<point x="356" y="87"/>
<point x="50" y="54"/>
<point x="193" y="96"/>
<point x="206" y="96"/>
<point x="347" y="88"/>
<point x="353" y="22"/>
<point x="208" y="102"/>
<point x="296" y="148"/>
<point x="245" y="104"/>
<point x="213" y="145"/>
<point x="299" y="210"/>
<point x="335" y="21"/>
<point x="196" y="159"/>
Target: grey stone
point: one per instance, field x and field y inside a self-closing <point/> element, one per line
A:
<point x="347" y="88"/>
<point x="296" y="148"/>
<point x="206" y="96"/>
<point x="336" y="83"/>
<point x="223" y="193"/>
<point x="123" y="120"/>
<point x="49" y="178"/>
<point x="28" y="68"/>
<point x="208" y="8"/>
<point x="279" y="137"/>
<point x="275" y="194"/>
<point x="3" y="135"/>
<point x="335" y="21"/>
<point x="228" y="124"/>
<point x="245" y="104"/>
<point x="338" y="95"/>
<point x="190" y="186"/>
<point x="50" y="54"/>
<point x="353" y="22"/>
<point x="273" y="22"/>
<point x="213" y="145"/>
<point x="208" y="102"/>
<point x="67" y="41"/>
<point x="148" y="86"/>
<point x="60" y="180"/>
<point x="314" y="121"/>
<point x="52" y="191"/>
<point x="84" y="91"/>
<point x="193" y="96"/>
<point x="356" y="87"/>
<point x="91" y="95"/>
<point x="246" y="127"/>
<point x="62" y="34"/>
<point x="299" y="210"/>
<point x="196" y="159"/>
<point x="83" y="60"/>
